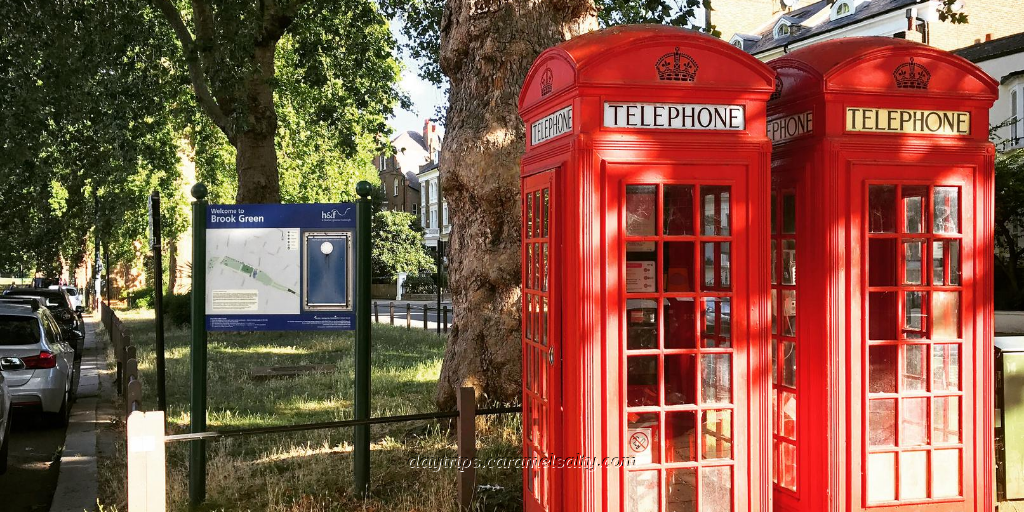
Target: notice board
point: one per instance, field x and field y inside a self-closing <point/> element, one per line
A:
<point x="280" y="267"/>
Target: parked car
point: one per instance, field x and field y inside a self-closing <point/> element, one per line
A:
<point x="59" y="304"/>
<point x="39" y="366"/>
<point x="74" y="295"/>
<point x="5" y="411"/>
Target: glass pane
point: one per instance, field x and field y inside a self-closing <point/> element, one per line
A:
<point x="945" y="473"/>
<point x="716" y="378"/>
<point x="682" y="490"/>
<point x="775" y="311"/>
<point x="882" y="369"/>
<point x="914" y="208"/>
<point x="913" y="475"/>
<point x="715" y="208"/>
<point x="913" y="262"/>
<point x="642" y="438"/>
<point x="678" y="267"/>
<point x="945" y="315"/>
<point x="787" y="466"/>
<point x="716" y="266"/>
<point x="789" y="364"/>
<point x="881" y="477"/>
<point x="678" y="209"/>
<point x="946" y="367"/>
<point x="946" y="420"/>
<point x="529" y="215"/>
<point x="915" y="314"/>
<point x="940" y="251"/>
<point x="882" y="315"/>
<point x="547" y="213"/>
<point x="954" y="262"/>
<point x="882" y="422"/>
<point x="642" y="324"/>
<point x="642" y="491"/>
<point x="915" y="368"/>
<point x="882" y="262"/>
<point x="716" y="489"/>
<point x="641" y="263"/>
<point x="641" y="206"/>
<point x="775" y="362"/>
<point x="947" y="210"/>
<point x="789" y="262"/>
<point x="787" y="408"/>
<point x="774" y="214"/>
<point x="680" y="379"/>
<point x="914" y="426"/>
<point x="680" y="323"/>
<point x="642" y="380"/>
<point x="716" y="332"/>
<point x="775" y="271"/>
<point x="717" y="434"/>
<point x="882" y="209"/>
<point x="789" y="214"/>
<point x="788" y="313"/>
<point x="681" y="436"/>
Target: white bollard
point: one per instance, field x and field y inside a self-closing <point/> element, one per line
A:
<point x="147" y="482"/>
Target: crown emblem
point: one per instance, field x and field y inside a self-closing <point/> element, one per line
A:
<point x="545" y="82"/>
<point x="911" y="75"/>
<point x="676" y="66"/>
<point x="778" y="89"/>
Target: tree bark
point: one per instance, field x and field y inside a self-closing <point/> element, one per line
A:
<point x="487" y="47"/>
<point x="256" y="155"/>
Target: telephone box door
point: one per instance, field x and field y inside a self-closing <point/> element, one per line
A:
<point x="541" y="342"/>
<point x="685" y="259"/>
<point x="916" y="225"/>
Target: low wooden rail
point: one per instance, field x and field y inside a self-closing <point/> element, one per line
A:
<point x="129" y="385"/>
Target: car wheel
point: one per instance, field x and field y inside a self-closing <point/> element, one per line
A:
<point x="6" y="447"/>
<point x="61" y="417"/>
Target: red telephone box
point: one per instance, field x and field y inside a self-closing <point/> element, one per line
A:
<point x="645" y="188"/>
<point x="883" y="191"/>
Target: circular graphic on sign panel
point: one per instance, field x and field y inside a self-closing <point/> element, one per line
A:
<point x="639" y="442"/>
<point x="326" y="248"/>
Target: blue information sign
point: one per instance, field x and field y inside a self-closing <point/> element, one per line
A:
<point x="280" y="267"/>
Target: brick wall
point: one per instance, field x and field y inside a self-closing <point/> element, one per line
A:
<point x="746" y="16"/>
<point x="995" y="18"/>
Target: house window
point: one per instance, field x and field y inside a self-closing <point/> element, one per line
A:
<point x="738" y="44"/>
<point x="433" y="216"/>
<point x="396" y="187"/>
<point x="445" y="218"/>
<point x="842" y="10"/>
<point x="414" y="211"/>
<point x="783" y="30"/>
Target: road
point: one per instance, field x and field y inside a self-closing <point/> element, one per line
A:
<point x="33" y="462"/>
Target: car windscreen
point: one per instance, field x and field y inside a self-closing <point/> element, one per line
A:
<point x="18" y="330"/>
<point x="50" y="298"/>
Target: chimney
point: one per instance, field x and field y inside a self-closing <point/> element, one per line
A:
<point x="430" y="138"/>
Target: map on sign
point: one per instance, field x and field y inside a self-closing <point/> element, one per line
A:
<point x="253" y="271"/>
<point x="279" y="267"/>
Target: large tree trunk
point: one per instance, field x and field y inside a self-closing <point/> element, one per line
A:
<point x="256" y="155"/>
<point x="487" y="48"/>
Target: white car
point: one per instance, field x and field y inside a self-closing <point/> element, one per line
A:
<point x="38" y="365"/>
<point x="73" y="294"/>
<point x="5" y="415"/>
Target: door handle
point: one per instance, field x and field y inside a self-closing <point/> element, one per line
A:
<point x="551" y="355"/>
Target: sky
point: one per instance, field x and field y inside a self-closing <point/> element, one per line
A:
<point x="425" y="96"/>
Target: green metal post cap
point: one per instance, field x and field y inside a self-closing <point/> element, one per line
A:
<point x="363" y="188"/>
<point x="199" y="191"/>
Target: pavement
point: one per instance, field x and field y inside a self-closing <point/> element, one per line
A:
<point x="77" y="485"/>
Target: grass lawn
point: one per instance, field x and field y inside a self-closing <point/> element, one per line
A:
<point x="311" y="471"/>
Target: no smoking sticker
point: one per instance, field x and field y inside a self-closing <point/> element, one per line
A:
<point x="639" y="442"/>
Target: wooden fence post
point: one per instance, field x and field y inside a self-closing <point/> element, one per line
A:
<point x="446" y="319"/>
<point x="408" y="315"/>
<point x="376" y="313"/>
<point x="426" y="312"/>
<point x="391" y="313"/>
<point x="147" y="485"/>
<point x="466" y="402"/>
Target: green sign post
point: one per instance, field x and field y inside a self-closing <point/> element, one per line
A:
<point x="361" y="438"/>
<point x="197" y="415"/>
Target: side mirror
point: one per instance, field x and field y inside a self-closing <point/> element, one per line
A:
<point x="9" y="364"/>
